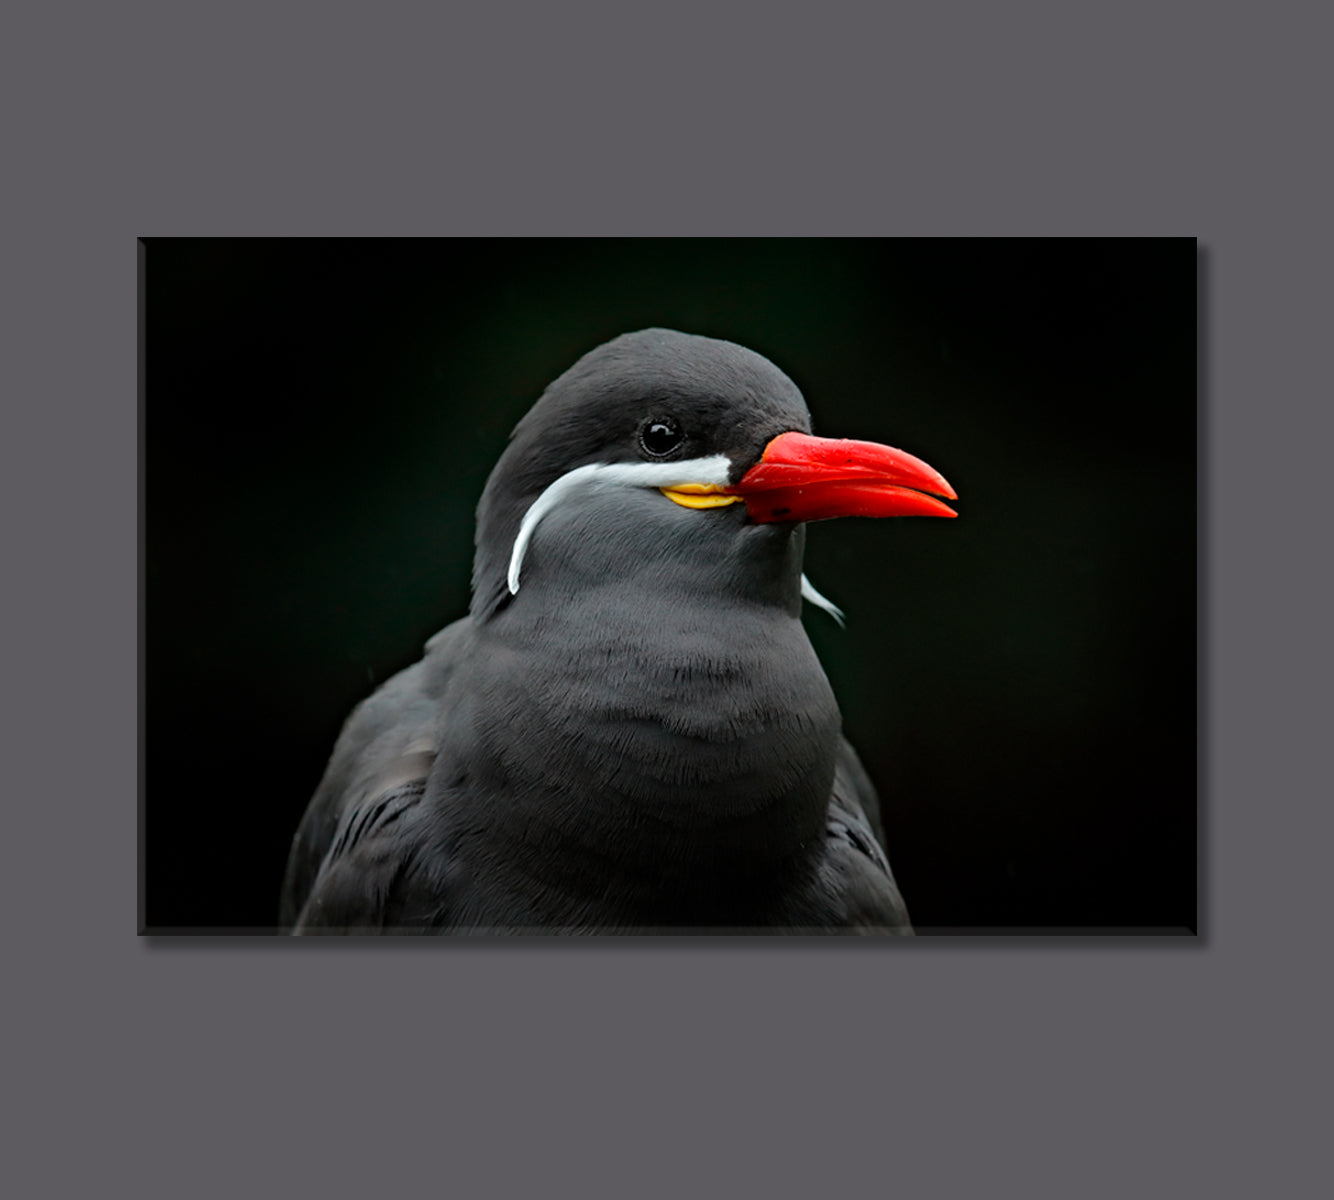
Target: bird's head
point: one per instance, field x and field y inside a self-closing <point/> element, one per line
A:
<point x="660" y="450"/>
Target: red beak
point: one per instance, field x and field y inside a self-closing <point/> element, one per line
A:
<point x="804" y="478"/>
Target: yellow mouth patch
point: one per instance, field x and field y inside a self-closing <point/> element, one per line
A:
<point x="699" y="495"/>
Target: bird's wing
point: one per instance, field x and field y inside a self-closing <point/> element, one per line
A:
<point x="856" y="870"/>
<point x="351" y="850"/>
<point x="361" y="885"/>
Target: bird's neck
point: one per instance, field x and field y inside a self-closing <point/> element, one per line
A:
<point x="679" y="752"/>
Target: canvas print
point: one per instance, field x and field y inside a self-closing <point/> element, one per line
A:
<point x="668" y="588"/>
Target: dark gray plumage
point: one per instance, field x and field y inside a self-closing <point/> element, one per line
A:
<point x="641" y="737"/>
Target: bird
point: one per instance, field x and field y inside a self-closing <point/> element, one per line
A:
<point x="629" y="731"/>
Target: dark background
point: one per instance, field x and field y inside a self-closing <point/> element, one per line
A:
<point x="320" y="416"/>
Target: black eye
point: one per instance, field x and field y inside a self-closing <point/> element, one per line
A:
<point x="661" y="436"/>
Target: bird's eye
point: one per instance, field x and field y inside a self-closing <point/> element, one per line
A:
<point x="660" y="436"/>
